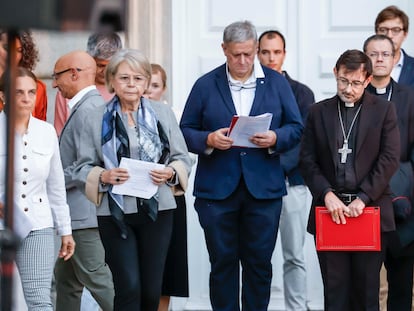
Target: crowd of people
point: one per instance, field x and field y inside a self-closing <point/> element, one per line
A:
<point x="110" y="177"/>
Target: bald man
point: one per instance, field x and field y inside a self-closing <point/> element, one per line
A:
<point x="74" y="76"/>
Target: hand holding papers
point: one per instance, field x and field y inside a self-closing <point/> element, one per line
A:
<point x="243" y="127"/>
<point x="139" y="183"/>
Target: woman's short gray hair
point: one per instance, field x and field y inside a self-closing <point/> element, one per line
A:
<point x="134" y="58"/>
<point x="241" y="31"/>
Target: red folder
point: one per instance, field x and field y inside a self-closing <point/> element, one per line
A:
<point x="360" y="233"/>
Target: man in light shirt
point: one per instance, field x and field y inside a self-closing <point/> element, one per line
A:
<point x="393" y="23"/>
<point x="296" y="204"/>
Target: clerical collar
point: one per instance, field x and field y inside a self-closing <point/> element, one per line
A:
<point x="381" y="91"/>
<point x="386" y="92"/>
<point x="350" y="105"/>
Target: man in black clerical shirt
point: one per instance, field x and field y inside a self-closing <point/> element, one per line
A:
<point x="349" y="152"/>
<point x="399" y="258"/>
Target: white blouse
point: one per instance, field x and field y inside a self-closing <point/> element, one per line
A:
<point x="39" y="185"/>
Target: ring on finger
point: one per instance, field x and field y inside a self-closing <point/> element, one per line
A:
<point x="117" y="179"/>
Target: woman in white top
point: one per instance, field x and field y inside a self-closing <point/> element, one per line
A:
<point x="39" y="194"/>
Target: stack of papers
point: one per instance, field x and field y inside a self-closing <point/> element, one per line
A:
<point x="243" y="127"/>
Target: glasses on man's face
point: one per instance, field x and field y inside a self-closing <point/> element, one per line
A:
<point x="239" y="86"/>
<point x="384" y="54"/>
<point x="135" y="79"/>
<point x="385" y="30"/>
<point x="343" y="83"/>
<point x="56" y="75"/>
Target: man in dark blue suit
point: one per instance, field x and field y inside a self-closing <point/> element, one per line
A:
<point x="393" y="23"/>
<point x="296" y="204"/>
<point x="239" y="190"/>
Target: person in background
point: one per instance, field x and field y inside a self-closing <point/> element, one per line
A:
<point x="158" y="84"/>
<point x="350" y="150"/>
<point x="393" y="22"/>
<point x="295" y="206"/>
<point x="135" y="231"/>
<point x="175" y="281"/>
<point x="27" y="56"/>
<point x="399" y="257"/>
<point x="74" y="76"/>
<point x="39" y="194"/>
<point x="101" y="46"/>
<point x="239" y="190"/>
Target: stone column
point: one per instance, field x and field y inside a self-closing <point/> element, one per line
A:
<point x="149" y="25"/>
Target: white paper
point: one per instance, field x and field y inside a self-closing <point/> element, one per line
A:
<point x="246" y="126"/>
<point x="139" y="183"/>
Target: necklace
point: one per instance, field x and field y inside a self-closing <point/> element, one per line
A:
<point x="344" y="151"/>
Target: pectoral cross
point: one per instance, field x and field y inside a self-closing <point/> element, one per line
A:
<point x="344" y="151"/>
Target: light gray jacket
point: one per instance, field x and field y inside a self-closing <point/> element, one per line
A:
<point x="71" y="141"/>
<point x="91" y="164"/>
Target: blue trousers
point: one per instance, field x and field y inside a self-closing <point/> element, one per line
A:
<point x="240" y="230"/>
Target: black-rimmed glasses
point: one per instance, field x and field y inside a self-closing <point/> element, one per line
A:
<point x="385" y="30"/>
<point x="56" y="75"/>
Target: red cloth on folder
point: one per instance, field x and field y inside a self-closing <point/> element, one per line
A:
<point x="360" y="233"/>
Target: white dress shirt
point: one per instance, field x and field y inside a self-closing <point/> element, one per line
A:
<point x="243" y="93"/>
<point x="396" y="71"/>
<point x="39" y="186"/>
<point x="79" y="95"/>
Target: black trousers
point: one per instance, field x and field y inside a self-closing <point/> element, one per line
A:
<point x="351" y="280"/>
<point x="137" y="262"/>
<point x="399" y="277"/>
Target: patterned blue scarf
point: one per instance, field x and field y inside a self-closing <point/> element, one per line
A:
<point x="153" y="146"/>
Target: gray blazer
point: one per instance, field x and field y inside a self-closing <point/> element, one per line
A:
<point x="71" y="140"/>
<point x="91" y="160"/>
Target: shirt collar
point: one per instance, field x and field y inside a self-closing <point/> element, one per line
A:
<point x="79" y="96"/>
<point x="257" y="73"/>
<point x="401" y="60"/>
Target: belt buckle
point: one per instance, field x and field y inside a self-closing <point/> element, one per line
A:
<point x="347" y="198"/>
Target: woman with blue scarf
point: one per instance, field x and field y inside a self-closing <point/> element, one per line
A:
<point x="135" y="232"/>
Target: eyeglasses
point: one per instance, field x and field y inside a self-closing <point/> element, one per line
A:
<point x="394" y="30"/>
<point x="56" y="75"/>
<point x="383" y="54"/>
<point x="343" y="83"/>
<point x="136" y="79"/>
<point x="239" y="86"/>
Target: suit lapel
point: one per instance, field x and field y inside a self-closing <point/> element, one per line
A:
<point x="224" y="90"/>
<point x="406" y="70"/>
<point x="367" y="113"/>
<point x="258" y="95"/>
<point x="330" y="123"/>
<point x="75" y="108"/>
